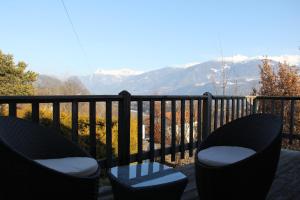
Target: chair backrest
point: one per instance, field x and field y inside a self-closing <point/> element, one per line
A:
<point x="254" y="131"/>
<point x="35" y="141"/>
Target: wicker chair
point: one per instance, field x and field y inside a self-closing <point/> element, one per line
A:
<point x="248" y="178"/>
<point x="21" y="143"/>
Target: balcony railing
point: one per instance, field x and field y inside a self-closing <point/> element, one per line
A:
<point x="288" y="108"/>
<point x="204" y="114"/>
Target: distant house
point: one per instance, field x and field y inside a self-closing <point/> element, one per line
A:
<point x="168" y="129"/>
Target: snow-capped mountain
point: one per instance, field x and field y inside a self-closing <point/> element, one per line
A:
<point x="118" y="73"/>
<point x="242" y="74"/>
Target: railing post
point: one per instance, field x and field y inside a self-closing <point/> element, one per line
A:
<point x="124" y="128"/>
<point x="92" y="117"/>
<point x="206" y="122"/>
<point x="254" y="105"/>
<point x="75" y="122"/>
<point x="35" y="110"/>
<point x="12" y="109"/>
<point x="56" y="114"/>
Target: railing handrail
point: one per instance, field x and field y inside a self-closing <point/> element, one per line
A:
<point x="87" y="98"/>
<point x="60" y="98"/>
<point x="228" y="97"/>
<point x="70" y="98"/>
<point x="279" y="97"/>
<point x="166" y="97"/>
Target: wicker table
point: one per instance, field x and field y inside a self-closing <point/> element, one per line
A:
<point x="150" y="180"/>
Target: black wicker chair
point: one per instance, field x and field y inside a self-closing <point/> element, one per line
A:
<point x="22" y="142"/>
<point x="249" y="178"/>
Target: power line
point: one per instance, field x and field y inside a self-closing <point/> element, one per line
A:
<point x="75" y="32"/>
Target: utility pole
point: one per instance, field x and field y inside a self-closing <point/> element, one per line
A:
<point x="223" y="70"/>
<point x="224" y="77"/>
<point x="235" y="87"/>
<point x="214" y="81"/>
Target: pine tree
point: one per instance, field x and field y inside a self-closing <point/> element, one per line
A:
<point x="14" y="79"/>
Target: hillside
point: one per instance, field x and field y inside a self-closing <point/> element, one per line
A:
<point x="49" y="85"/>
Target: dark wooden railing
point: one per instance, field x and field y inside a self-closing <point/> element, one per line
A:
<point x="169" y="103"/>
<point x="204" y="114"/>
<point x="288" y="108"/>
<point x="35" y="102"/>
<point x="228" y="108"/>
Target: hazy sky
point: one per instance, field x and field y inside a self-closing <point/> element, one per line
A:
<point x="144" y="35"/>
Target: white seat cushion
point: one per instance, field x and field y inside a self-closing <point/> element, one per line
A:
<point x="76" y="166"/>
<point x="223" y="155"/>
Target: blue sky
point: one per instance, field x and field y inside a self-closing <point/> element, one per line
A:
<point x="144" y="35"/>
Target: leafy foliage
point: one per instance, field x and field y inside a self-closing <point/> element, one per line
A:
<point x="282" y="80"/>
<point x="14" y="79"/>
<point x="83" y="129"/>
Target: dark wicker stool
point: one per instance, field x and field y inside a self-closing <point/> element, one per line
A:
<point x="147" y="181"/>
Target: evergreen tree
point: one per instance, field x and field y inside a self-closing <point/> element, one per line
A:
<point x="14" y="79"/>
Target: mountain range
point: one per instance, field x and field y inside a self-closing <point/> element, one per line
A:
<point x="241" y="75"/>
